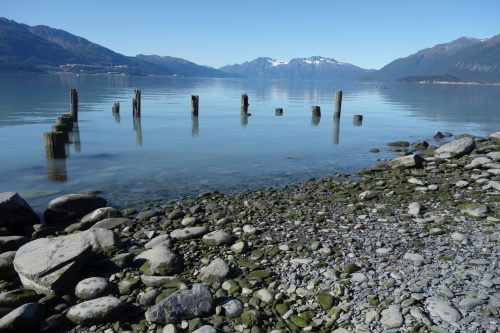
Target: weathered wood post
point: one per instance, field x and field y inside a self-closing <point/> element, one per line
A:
<point x="64" y="129"/>
<point x="244" y="103"/>
<point x="278" y="111"/>
<point x="65" y="119"/>
<point x="136" y="103"/>
<point x="316" y="111"/>
<point x="194" y="105"/>
<point x="338" y="104"/>
<point x="73" y="104"/>
<point x="195" y="130"/>
<point x="357" y="120"/>
<point x="336" y="131"/>
<point x="54" y="144"/>
<point x="116" y="107"/>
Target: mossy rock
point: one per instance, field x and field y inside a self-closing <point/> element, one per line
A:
<point x="325" y="300"/>
<point x="18" y="297"/>
<point x="251" y="317"/>
<point x="335" y="312"/>
<point x="351" y="268"/>
<point x="259" y="274"/>
<point x="247" y="263"/>
<point x="298" y="321"/>
<point x="282" y="308"/>
<point x="194" y="324"/>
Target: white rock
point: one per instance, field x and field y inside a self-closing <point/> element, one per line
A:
<point x="91" y="288"/>
<point x="95" y="311"/>
<point x="392" y="317"/>
<point x="458" y="237"/>
<point x="456" y="148"/>
<point x="413" y="257"/>
<point x="188" y="233"/>
<point x="443" y="310"/>
<point x="414" y="208"/>
<point x="462" y="184"/>
<point x="217" y="270"/>
<point x="264" y="295"/>
<point x="416" y="181"/>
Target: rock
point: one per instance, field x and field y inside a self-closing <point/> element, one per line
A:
<point x="414" y="208"/>
<point x="443" y="310"/>
<point x="148" y="298"/>
<point x="218" y="237"/>
<point x="239" y="247"/>
<point x="325" y="300"/>
<point x="183" y="304"/>
<point x="205" y="329"/>
<point x="161" y="281"/>
<point x="17" y="297"/>
<point x="462" y="184"/>
<point x="22" y="319"/>
<point x="12" y="243"/>
<point x="162" y="239"/>
<point x="7" y="265"/>
<point x="100" y="214"/>
<point x="146" y="215"/>
<point x="99" y="310"/>
<point x="398" y="144"/>
<point x="421" y="145"/>
<point x="409" y="161"/>
<point x="392" y="317"/>
<point x="51" y="265"/>
<point x="111" y="223"/>
<point x="263" y="295"/>
<point x="368" y="195"/>
<point x="438" y="136"/>
<point x="457" y="237"/>
<point x="188" y="233"/>
<point x="494" y="155"/>
<point x="495" y="136"/>
<point x="188" y="221"/>
<point x="416" y="181"/>
<point x="64" y="209"/>
<point x="217" y="270"/>
<point x="456" y="148"/>
<point x="413" y="257"/>
<point x="125" y="286"/>
<point x="478" y="161"/>
<point x="232" y="306"/>
<point x="474" y="210"/>
<point x="92" y="287"/>
<point x="15" y="213"/>
<point x="470" y="301"/>
<point x="249" y="229"/>
<point x="159" y="260"/>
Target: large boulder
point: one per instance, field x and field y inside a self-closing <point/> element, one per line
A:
<point x="22" y="319"/>
<point x="52" y="265"/>
<point x="69" y="207"/>
<point x="456" y="148"/>
<point x="15" y="213"/>
<point x="183" y="304"/>
<point x="409" y="161"/>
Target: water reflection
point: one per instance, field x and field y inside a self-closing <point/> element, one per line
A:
<point x="336" y="131"/>
<point x="56" y="170"/>
<point x="244" y="119"/>
<point x="138" y="130"/>
<point x="195" y="130"/>
<point x="315" y="120"/>
<point x="357" y="120"/>
<point x="75" y="138"/>
<point x="116" y="115"/>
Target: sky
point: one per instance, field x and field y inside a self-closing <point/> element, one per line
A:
<point x="367" y="33"/>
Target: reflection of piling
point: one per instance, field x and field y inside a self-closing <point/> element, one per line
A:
<point x="116" y="111"/>
<point x="54" y="144"/>
<point x="194" y="105"/>
<point x="75" y="135"/>
<point x="195" y="130"/>
<point x="315" y="120"/>
<point x="73" y="104"/>
<point x="316" y="111"/>
<point x="136" y="103"/>
<point x="278" y="111"/>
<point x="357" y="120"/>
<point x="244" y="119"/>
<point x="336" y="131"/>
<point x="338" y="104"/>
<point x="244" y="103"/>
<point x="56" y="170"/>
<point x="138" y="130"/>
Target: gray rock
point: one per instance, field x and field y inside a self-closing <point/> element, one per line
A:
<point x="126" y="285"/>
<point x="368" y="195"/>
<point x="161" y="281"/>
<point x="474" y="210"/>
<point x="188" y="233"/>
<point x="15" y="213"/>
<point x="17" y="297"/>
<point x="495" y="136"/>
<point x="409" y="161"/>
<point x="12" y="243"/>
<point x="100" y="214"/>
<point x="413" y="257"/>
<point x="470" y="301"/>
<point x="111" y="223"/>
<point x="478" y="161"/>
<point x="232" y="306"/>
<point x="456" y="148"/>
<point x="458" y="237"/>
<point x="414" y="208"/>
<point x="64" y="209"/>
<point x="392" y="317"/>
<point x="7" y="265"/>
<point x="443" y="310"/>
<point x="148" y="298"/>
<point x="183" y="304"/>
<point x="51" y="265"/>
<point x="22" y="319"/>
<point x="494" y="155"/>
<point x="263" y="295"/>
<point x="159" y="260"/>
<point x="99" y="310"/>
<point x="217" y="270"/>
<point x="92" y="287"/>
<point x="162" y="239"/>
<point x="218" y="237"/>
<point x="188" y="221"/>
<point x="146" y="215"/>
<point x="205" y="329"/>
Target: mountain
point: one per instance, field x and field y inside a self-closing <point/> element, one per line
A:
<point x="42" y="49"/>
<point x="466" y="58"/>
<point x="316" y="67"/>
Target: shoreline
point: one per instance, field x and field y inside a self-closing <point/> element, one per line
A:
<point x="408" y="245"/>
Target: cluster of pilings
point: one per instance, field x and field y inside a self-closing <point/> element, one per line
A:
<point x="63" y="132"/>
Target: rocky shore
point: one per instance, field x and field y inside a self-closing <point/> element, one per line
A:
<point x="410" y="245"/>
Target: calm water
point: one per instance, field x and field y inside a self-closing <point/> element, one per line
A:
<point x="166" y="153"/>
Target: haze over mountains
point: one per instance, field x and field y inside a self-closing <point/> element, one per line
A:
<point x="42" y="49"/>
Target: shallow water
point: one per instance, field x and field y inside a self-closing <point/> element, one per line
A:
<point x="167" y="153"/>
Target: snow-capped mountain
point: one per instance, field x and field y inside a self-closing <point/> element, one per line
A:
<point x="316" y="67"/>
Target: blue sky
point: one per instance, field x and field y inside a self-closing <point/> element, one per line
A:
<point x="366" y="33"/>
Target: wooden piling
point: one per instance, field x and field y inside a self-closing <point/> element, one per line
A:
<point x="244" y="103"/>
<point x="73" y="104"/>
<point x="136" y="103"/>
<point x="194" y="105"/>
<point x="64" y="129"/>
<point x="65" y="119"/>
<point x="54" y="144"/>
<point x="357" y="120"/>
<point x="116" y="107"/>
<point x="338" y="104"/>
<point x="316" y="111"/>
<point x="278" y="111"/>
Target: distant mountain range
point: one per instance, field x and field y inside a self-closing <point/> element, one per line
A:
<point x="42" y="49"/>
<point x="316" y="67"/>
